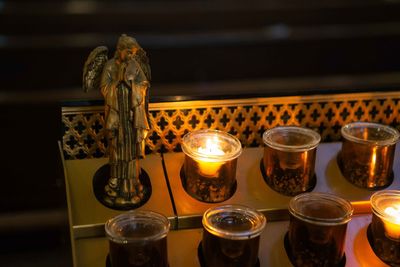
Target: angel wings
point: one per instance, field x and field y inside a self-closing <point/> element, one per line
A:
<point x="93" y="68"/>
<point x="97" y="59"/>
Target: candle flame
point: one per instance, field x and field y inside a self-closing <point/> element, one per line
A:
<point x="391" y="222"/>
<point x="209" y="167"/>
<point x="212" y="148"/>
<point x="394" y="213"/>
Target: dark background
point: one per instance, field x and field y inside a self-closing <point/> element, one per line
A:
<point x="198" y="49"/>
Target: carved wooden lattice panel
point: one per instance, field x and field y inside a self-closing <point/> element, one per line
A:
<point x="247" y="119"/>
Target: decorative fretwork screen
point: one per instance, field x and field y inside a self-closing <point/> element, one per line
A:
<point x="83" y="132"/>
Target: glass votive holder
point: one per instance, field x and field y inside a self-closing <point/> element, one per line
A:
<point x="317" y="229"/>
<point x="138" y="238"/>
<point x="231" y="236"/>
<point x="289" y="159"/>
<point x="209" y="170"/>
<point x="384" y="230"/>
<point x="366" y="158"/>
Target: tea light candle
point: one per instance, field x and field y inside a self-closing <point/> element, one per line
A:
<point x="209" y="166"/>
<point x="384" y="230"/>
<point x="386" y="206"/>
<point x="288" y="164"/>
<point x="367" y="154"/>
<point x="391" y="222"/>
<point x="209" y="170"/>
<point x="210" y="149"/>
<point x="231" y="236"/>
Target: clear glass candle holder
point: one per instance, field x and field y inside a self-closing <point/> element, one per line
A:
<point x="209" y="170"/>
<point x="289" y="159"/>
<point x="317" y="229"/>
<point x="384" y="230"/>
<point x="231" y="236"/>
<point x="138" y="238"/>
<point x="366" y="158"/>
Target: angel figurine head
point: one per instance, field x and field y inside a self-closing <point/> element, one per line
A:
<point x="123" y="81"/>
<point x="126" y="48"/>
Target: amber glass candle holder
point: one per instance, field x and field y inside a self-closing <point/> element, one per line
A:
<point x="231" y="236"/>
<point x="138" y="238"/>
<point x="317" y="229"/>
<point x="209" y="170"/>
<point x="289" y="159"/>
<point x="384" y="230"/>
<point x="366" y="158"/>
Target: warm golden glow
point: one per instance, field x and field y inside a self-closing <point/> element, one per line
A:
<point x="372" y="167"/>
<point x="211" y="148"/>
<point x="207" y="166"/>
<point x="391" y="222"/>
<point x="365" y="135"/>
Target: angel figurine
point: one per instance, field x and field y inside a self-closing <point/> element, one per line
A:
<point x="124" y="82"/>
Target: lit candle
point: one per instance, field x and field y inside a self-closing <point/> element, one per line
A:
<point x="209" y="170"/>
<point x="384" y="230"/>
<point x="391" y="221"/>
<point x="209" y="165"/>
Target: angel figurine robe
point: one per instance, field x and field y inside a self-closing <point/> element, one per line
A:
<point x="124" y="81"/>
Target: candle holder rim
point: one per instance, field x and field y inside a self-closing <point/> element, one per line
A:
<point x="261" y="221"/>
<point x="348" y="210"/>
<point x="390" y="130"/>
<point x="383" y="194"/>
<point x="294" y="129"/>
<point x="133" y="216"/>
<point x="233" y="140"/>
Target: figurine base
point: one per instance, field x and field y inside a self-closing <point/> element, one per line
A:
<point x="313" y="183"/>
<point x="203" y="263"/>
<point x="388" y="179"/>
<point x="286" y="242"/>
<point x="100" y="180"/>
